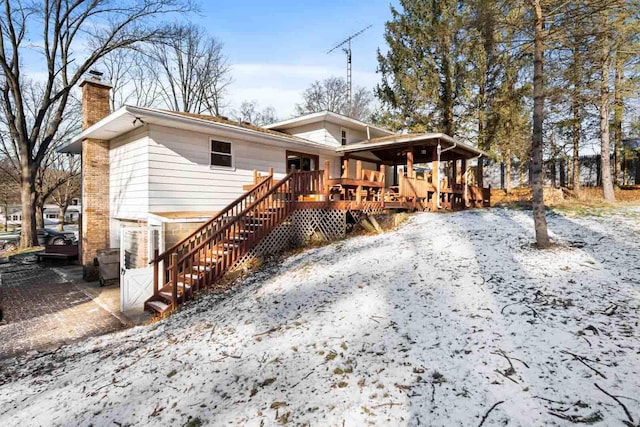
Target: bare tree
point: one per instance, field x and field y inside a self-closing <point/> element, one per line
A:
<point x="331" y="95"/>
<point x="63" y="194"/>
<point x="9" y="191"/>
<point x="192" y="71"/>
<point x="63" y="27"/>
<point x="131" y="77"/>
<point x="250" y="112"/>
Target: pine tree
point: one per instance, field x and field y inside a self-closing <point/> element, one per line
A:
<point x="424" y="74"/>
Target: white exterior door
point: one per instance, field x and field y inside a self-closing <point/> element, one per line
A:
<point x="137" y="245"/>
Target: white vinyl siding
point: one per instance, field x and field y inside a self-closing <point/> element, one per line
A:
<point x="313" y="132"/>
<point x="129" y="176"/>
<point x="181" y="178"/>
<point x="168" y="170"/>
<point x="335" y="134"/>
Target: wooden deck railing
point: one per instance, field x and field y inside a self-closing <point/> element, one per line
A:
<point x="414" y="188"/>
<point x="263" y="185"/>
<point x="308" y="183"/>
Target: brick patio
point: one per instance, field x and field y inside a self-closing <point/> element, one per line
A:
<point x="41" y="312"/>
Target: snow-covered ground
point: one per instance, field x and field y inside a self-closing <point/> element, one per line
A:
<point x="454" y="319"/>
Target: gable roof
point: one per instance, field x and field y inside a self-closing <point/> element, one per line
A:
<point x="326" y="116"/>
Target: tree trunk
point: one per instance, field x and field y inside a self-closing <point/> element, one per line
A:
<point x="576" y="124"/>
<point x="618" y="112"/>
<point x="605" y="153"/>
<point x="521" y="170"/>
<point x="539" y="218"/>
<point x="28" y="236"/>
<point x="63" y="212"/>
<point x="39" y="213"/>
<point x="508" y="172"/>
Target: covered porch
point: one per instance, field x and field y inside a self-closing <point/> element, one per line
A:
<point x="413" y="171"/>
<point x="427" y="172"/>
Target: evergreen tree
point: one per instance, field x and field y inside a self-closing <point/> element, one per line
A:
<point x="425" y="72"/>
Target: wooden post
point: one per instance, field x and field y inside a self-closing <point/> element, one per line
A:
<point x="463" y="181"/>
<point x="454" y="173"/>
<point x="435" y="177"/>
<point x="271" y="172"/>
<point x="327" y="165"/>
<point x="359" y="169"/>
<point x="345" y="168"/>
<point x="255" y="176"/>
<point x="174" y="280"/>
<point x="410" y="163"/>
<point x="383" y="179"/>
<point x="480" y="172"/>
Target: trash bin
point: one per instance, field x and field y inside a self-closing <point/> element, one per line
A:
<point x="108" y="261"/>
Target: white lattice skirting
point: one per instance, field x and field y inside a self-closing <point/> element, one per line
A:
<point x="300" y="228"/>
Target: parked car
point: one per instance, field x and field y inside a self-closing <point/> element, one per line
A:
<point x="46" y="236"/>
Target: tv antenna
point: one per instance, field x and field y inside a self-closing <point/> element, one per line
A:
<point x="347" y="50"/>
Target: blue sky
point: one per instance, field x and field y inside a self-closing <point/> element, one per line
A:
<point x="278" y="48"/>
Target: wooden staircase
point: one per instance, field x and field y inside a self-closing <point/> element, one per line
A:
<point x="221" y="243"/>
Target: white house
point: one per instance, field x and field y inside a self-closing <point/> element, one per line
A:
<point x="169" y="172"/>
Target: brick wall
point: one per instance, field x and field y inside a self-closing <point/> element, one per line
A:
<point x="95" y="177"/>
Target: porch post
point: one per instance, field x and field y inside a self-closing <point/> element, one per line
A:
<point x="383" y="179"/>
<point x="463" y="181"/>
<point x="480" y="171"/>
<point x="454" y="173"/>
<point x="435" y="177"/>
<point x="327" y="165"/>
<point x="410" y="163"/>
<point x="359" y="177"/>
<point x="395" y="172"/>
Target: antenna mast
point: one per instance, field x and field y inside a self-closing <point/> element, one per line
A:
<point x="347" y="50"/>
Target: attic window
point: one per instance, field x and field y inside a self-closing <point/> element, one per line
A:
<point x="221" y="154"/>
<point x="343" y="138"/>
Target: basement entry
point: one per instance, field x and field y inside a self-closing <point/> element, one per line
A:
<point x="137" y="244"/>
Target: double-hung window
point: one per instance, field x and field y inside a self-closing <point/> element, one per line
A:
<point x="221" y="155"/>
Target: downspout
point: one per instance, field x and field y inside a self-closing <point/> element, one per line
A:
<point x="440" y="151"/>
<point x="368" y="134"/>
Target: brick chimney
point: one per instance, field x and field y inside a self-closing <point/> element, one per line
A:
<point x="95" y="175"/>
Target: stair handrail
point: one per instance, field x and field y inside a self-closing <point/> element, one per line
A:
<point x="268" y="180"/>
<point x="229" y="224"/>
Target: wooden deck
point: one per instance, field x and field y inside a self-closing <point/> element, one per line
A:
<point x="367" y="192"/>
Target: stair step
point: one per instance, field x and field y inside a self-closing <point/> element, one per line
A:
<point x="181" y="287"/>
<point x="216" y="252"/>
<point x="201" y="268"/>
<point x="158" y="306"/>
<point x="229" y="245"/>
